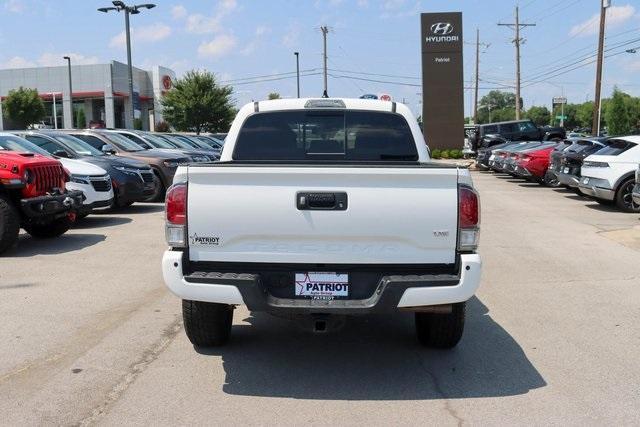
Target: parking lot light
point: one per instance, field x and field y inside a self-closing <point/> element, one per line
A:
<point x="133" y="10"/>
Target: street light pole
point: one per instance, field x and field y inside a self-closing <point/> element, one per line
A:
<point x="119" y="6"/>
<point x="297" y="54"/>
<point x="129" y="66"/>
<point x="70" y="88"/>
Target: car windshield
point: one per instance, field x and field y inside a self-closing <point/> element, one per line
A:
<point x="211" y="141"/>
<point x="333" y="135"/>
<point x="178" y="142"/>
<point x="122" y="142"/>
<point x="14" y="143"/>
<point x="187" y="141"/>
<point x="157" y="141"/>
<point x="77" y="145"/>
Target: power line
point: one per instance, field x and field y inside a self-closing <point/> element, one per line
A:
<point x="268" y="75"/>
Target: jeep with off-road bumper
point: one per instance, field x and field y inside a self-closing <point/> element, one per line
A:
<point x="33" y="197"/>
<point x="319" y="209"/>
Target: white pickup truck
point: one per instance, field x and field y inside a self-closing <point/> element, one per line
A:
<point x="319" y="209"/>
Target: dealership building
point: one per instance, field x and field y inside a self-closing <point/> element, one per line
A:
<point x="100" y="94"/>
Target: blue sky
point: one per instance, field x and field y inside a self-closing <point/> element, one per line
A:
<point x="238" y="39"/>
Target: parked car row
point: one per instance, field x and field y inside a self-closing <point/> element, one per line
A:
<point x="602" y="169"/>
<point x="51" y="178"/>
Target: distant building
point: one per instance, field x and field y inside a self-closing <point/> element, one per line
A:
<point x="100" y="90"/>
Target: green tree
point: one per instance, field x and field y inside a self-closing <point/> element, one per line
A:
<point x="633" y="109"/>
<point x="539" y="115"/>
<point x="274" y="95"/>
<point x="80" y="119"/>
<point x="24" y="107"/>
<point x="584" y="114"/>
<point x="617" y="115"/>
<point x="497" y="106"/>
<point x="198" y="103"/>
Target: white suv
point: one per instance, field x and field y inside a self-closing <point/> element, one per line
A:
<point x="608" y="175"/>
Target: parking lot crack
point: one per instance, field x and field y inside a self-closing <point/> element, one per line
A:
<point x="438" y="388"/>
<point x="147" y="357"/>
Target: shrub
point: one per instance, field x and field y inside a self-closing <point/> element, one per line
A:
<point x="455" y="154"/>
<point x="162" y="126"/>
<point x="445" y="154"/>
<point x="435" y="154"/>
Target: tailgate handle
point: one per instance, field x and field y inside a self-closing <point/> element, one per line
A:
<point x="321" y="201"/>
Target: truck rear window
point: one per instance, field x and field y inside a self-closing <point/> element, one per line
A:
<point x="325" y="135"/>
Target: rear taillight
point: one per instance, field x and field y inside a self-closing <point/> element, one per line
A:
<point x="526" y="157"/>
<point x="176" y="215"/>
<point x="468" y="219"/>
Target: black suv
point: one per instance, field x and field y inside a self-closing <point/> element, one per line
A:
<point x="489" y="134"/>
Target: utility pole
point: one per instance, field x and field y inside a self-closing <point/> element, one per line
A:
<point x="517" y="41"/>
<point x="595" y="127"/>
<point x="297" y="54"/>
<point x="475" y="105"/>
<point x="325" y="30"/>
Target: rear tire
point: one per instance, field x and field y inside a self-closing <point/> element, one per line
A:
<point x="9" y="225"/>
<point x="50" y="230"/>
<point x="159" y="192"/>
<point x="439" y="330"/>
<point x="550" y="180"/>
<point x="624" y="199"/>
<point x="207" y="324"/>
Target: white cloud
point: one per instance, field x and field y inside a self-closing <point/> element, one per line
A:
<point x="53" y="59"/>
<point x="15" y="6"/>
<point x="201" y="24"/>
<point x="18" y="62"/>
<point x="261" y="30"/>
<point x="291" y="37"/>
<point x="219" y="46"/>
<point x="616" y="15"/>
<point x="147" y="34"/>
<point x="50" y="59"/>
<point x="178" y="11"/>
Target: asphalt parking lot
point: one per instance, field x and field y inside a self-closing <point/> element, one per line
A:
<point x="90" y="335"/>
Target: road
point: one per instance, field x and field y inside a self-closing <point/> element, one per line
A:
<point x="90" y="335"/>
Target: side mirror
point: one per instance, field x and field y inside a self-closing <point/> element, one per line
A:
<point x="108" y="149"/>
<point x="61" y="153"/>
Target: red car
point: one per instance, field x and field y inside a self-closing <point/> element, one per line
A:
<point x="32" y="195"/>
<point x="533" y="164"/>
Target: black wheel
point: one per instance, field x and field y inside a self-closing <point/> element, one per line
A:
<point x="207" y="324"/>
<point x="550" y="180"/>
<point x="80" y="216"/>
<point x="159" y="192"/>
<point x="624" y="200"/>
<point x="9" y="225"/>
<point x="47" y="231"/>
<point x="441" y="330"/>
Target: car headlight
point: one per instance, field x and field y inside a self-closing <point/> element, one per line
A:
<point x="128" y="171"/>
<point x="80" y="179"/>
<point x="590" y="164"/>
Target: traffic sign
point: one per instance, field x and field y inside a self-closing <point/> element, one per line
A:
<point x="561" y="117"/>
<point x="560" y="100"/>
<point x="385" y="97"/>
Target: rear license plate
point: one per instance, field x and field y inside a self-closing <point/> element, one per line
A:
<point x="322" y="285"/>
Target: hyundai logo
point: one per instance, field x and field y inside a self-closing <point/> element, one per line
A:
<point x="442" y="28"/>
